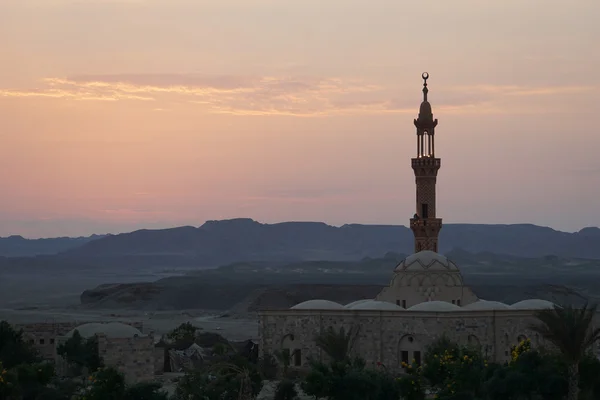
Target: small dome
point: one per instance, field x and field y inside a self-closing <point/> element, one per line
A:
<point x="317" y="305"/>
<point x="350" y="305"/>
<point x="532" y="304"/>
<point x="425" y="110"/>
<point x="426" y="260"/>
<point x="115" y="330"/>
<point x="437" y="306"/>
<point x="376" y="305"/>
<point x="486" y="305"/>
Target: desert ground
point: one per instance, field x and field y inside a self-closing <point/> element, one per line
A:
<point x="37" y="296"/>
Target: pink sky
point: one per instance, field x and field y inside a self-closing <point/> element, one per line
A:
<point x="123" y="114"/>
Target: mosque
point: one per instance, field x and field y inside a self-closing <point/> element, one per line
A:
<point x="426" y="297"/>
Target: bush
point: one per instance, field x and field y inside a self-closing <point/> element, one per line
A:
<point x="349" y="381"/>
<point x="80" y="353"/>
<point x="13" y="349"/>
<point x="286" y="390"/>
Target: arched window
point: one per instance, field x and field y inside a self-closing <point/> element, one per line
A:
<point x="409" y="350"/>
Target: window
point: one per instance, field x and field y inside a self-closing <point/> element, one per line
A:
<point x="458" y="302"/>
<point x="404" y="356"/>
<point x="425" y="210"/>
<point x="417" y="357"/>
<point x="286" y="353"/>
<point x="51" y="341"/>
<point x="297" y="357"/>
<point x="41" y="341"/>
<point x="453" y="301"/>
<point x="403" y="303"/>
<point x="397" y="302"/>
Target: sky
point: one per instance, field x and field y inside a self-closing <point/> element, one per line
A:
<point x="117" y="115"/>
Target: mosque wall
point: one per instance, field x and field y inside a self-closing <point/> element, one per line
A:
<point x="134" y="357"/>
<point x="389" y="336"/>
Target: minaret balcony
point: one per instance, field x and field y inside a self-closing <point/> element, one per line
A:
<point x="426" y="225"/>
<point x="426" y="161"/>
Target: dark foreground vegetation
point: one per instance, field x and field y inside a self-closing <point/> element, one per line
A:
<point x="449" y="372"/>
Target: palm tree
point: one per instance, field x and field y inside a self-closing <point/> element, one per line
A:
<point x="570" y="330"/>
<point x="284" y="357"/>
<point x="240" y="372"/>
<point x="337" y="345"/>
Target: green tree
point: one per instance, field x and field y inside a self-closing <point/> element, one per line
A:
<point x="8" y="383"/>
<point x="267" y="365"/>
<point x="570" y="330"/>
<point x="337" y="344"/>
<point x="532" y="375"/>
<point x="224" y="381"/>
<point x="80" y="353"/>
<point x="286" y="390"/>
<point x="349" y="380"/>
<point x="589" y="372"/>
<point x="105" y="384"/>
<point x="454" y="371"/>
<point x="13" y="348"/>
<point x="32" y="379"/>
<point x="145" y="391"/>
<point x="184" y="332"/>
<point x="284" y="358"/>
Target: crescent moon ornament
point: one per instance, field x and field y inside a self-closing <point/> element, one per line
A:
<point x="425" y="75"/>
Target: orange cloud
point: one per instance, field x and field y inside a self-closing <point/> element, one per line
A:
<point x="267" y="95"/>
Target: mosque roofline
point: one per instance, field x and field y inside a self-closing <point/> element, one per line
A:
<point x="400" y="313"/>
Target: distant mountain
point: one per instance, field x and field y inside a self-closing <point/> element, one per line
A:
<point x="18" y="246"/>
<point x="223" y="242"/>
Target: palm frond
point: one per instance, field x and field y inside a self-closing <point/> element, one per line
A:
<point x="569" y="329"/>
<point x="337" y="344"/>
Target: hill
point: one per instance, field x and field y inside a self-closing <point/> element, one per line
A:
<point x="247" y="287"/>
<point x="223" y="242"/>
<point x="18" y="246"/>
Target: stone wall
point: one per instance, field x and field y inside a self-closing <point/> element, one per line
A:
<point x="43" y="335"/>
<point x="134" y="357"/>
<point x="383" y="336"/>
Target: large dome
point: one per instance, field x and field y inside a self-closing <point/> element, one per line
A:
<point x="486" y="305"/>
<point x="356" y="302"/>
<point x="376" y="305"/>
<point x="532" y="304"/>
<point x="115" y="330"/>
<point x="435" y="306"/>
<point x="426" y="260"/>
<point x="318" y="305"/>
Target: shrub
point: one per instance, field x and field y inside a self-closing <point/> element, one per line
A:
<point x="286" y="390"/>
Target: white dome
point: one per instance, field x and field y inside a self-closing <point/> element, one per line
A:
<point x="350" y="305"/>
<point x="532" y="304"/>
<point x="317" y="305"/>
<point x="486" y="305"/>
<point x="114" y="330"/>
<point x="376" y="305"/>
<point x="437" y="306"/>
<point x="426" y="260"/>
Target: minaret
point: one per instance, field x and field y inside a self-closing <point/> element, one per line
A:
<point x="424" y="224"/>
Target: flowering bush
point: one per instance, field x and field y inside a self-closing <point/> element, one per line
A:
<point x="7" y="384"/>
<point x="523" y="347"/>
<point x="411" y="385"/>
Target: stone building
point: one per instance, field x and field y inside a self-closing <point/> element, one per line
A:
<point x="42" y="335"/>
<point x="120" y="346"/>
<point x="425" y="299"/>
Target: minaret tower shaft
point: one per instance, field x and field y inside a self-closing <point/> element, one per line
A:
<point x="425" y="226"/>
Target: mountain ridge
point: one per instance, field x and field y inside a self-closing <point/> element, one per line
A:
<point x="219" y="242"/>
<point x="244" y="239"/>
